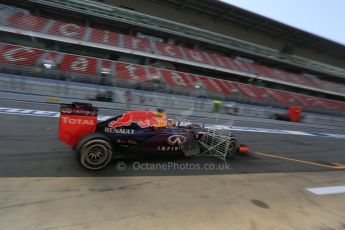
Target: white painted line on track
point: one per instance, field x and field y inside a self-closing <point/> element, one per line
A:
<point x="43" y="113"/>
<point x="293" y="132"/>
<point x="327" y="190"/>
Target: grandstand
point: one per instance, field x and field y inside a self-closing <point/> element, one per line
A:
<point x="119" y="45"/>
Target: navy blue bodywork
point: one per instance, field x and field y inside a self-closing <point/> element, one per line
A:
<point x="150" y="140"/>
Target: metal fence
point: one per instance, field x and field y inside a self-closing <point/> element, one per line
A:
<point x="106" y="83"/>
<point x="32" y="88"/>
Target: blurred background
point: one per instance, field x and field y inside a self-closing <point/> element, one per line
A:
<point x="186" y="56"/>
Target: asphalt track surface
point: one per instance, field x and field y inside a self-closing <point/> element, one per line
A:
<point x="29" y="147"/>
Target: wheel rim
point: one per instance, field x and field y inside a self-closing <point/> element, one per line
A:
<point x="96" y="154"/>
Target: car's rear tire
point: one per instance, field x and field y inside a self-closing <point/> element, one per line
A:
<point x="94" y="151"/>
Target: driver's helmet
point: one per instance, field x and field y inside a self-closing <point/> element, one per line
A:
<point x="160" y="118"/>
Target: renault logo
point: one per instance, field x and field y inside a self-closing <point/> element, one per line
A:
<point x="176" y="139"/>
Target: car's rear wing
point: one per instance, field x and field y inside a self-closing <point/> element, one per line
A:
<point x="76" y="121"/>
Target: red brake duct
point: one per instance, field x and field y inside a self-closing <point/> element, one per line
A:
<point x="244" y="149"/>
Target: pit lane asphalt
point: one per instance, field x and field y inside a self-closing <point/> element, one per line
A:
<point x="29" y="147"/>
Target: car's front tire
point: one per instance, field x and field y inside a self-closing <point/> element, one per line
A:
<point x="94" y="151"/>
<point x="232" y="148"/>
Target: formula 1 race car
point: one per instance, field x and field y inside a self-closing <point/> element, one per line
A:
<point x="139" y="132"/>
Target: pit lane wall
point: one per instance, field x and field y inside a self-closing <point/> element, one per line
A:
<point x="16" y="87"/>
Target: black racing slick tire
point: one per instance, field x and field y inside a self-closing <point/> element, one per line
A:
<point x="94" y="151"/>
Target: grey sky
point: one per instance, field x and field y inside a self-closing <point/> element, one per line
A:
<point x="325" y="18"/>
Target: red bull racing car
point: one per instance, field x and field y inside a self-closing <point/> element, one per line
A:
<point x="138" y="132"/>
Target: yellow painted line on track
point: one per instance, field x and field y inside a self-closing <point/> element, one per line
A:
<point x="338" y="166"/>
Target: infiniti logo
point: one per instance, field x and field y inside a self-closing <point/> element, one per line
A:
<point x="176" y="139"/>
<point x="66" y="110"/>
